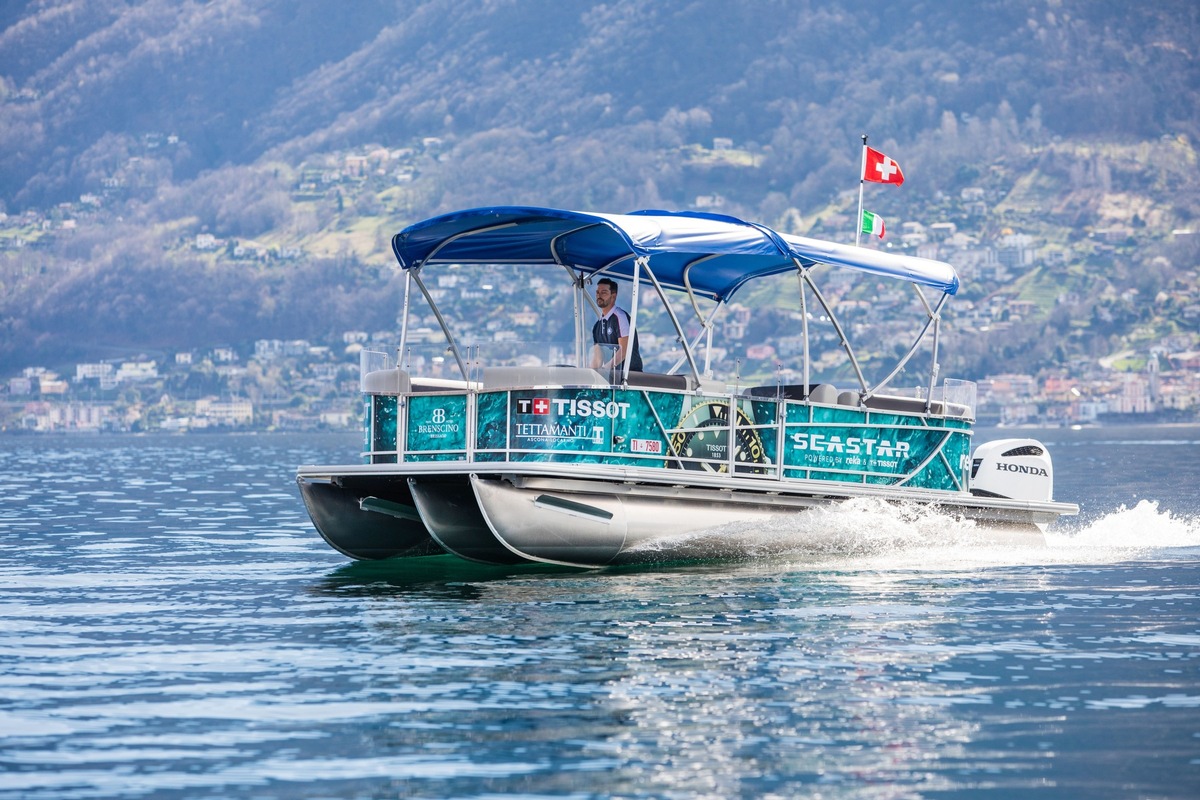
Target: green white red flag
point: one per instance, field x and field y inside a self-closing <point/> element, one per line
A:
<point x="878" y="168"/>
<point x="872" y="224"/>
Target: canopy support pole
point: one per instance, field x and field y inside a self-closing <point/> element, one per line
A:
<point x="687" y="351"/>
<point x="706" y="323"/>
<point x="933" y="370"/>
<point x="801" y="275"/>
<point x="577" y="299"/>
<point x="837" y="326"/>
<point x="706" y="333"/>
<point x="934" y="315"/>
<point x="437" y="312"/>
<point x="404" y="318"/>
<point x="640" y="263"/>
<point x="708" y="351"/>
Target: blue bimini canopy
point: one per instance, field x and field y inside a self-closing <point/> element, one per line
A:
<point x="712" y="254"/>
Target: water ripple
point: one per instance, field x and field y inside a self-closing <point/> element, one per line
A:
<point x="173" y="628"/>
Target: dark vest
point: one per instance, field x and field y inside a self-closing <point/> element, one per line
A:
<point x="608" y="331"/>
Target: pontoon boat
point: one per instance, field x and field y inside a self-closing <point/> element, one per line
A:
<point x="504" y="453"/>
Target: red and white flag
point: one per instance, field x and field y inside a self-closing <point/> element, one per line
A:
<point x="878" y="168"/>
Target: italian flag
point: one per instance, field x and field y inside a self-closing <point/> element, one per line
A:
<point x="872" y="224"/>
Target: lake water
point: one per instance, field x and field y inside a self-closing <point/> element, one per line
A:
<point x="172" y="626"/>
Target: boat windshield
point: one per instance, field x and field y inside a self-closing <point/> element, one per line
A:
<point x="433" y="360"/>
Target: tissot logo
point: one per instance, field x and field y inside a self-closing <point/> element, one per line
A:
<point x="538" y="405"/>
<point x="1022" y="469"/>
<point x="572" y="406"/>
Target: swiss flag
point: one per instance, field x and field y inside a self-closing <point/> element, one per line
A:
<point x="541" y="405"/>
<point x="878" y="168"/>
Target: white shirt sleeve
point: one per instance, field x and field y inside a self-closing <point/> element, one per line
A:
<point x="622" y="322"/>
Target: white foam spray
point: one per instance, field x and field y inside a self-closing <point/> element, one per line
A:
<point x="1138" y="532"/>
<point x="878" y="534"/>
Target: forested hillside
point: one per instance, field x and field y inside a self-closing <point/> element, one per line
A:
<point x="147" y="124"/>
<point x="544" y="85"/>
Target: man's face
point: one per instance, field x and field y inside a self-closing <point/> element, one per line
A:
<point x="604" y="297"/>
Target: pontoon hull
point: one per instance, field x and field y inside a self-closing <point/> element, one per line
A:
<point x="555" y="517"/>
<point x="449" y="510"/>
<point x="595" y="524"/>
<point x="367" y="519"/>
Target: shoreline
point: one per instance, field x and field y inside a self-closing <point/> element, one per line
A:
<point x="357" y="432"/>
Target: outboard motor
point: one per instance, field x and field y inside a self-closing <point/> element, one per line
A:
<point x="1019" y="469"/>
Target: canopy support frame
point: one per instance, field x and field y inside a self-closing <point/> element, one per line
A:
<point x="933" y="318"/>
<point x="802" y="275"/>
<point x="837" y="326"/>
<point x="706" y="323"/>
<point x="662" y="295"/>
<point x="404" y="317"/>
<point x="437" y="313"/>
<point x="640" y="263"/>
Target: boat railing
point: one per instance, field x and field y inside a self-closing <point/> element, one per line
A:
<point x="954" y="398"/>
<point x="376" y="372"/>
<point x="757" y="434"/>
<point x="379" y="375"/>
<point x="959" y="398"/>
<point x="425" y="361"/>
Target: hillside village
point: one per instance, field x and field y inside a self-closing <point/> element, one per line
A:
<point x="288" y="385"/>
<point x="298" y="385"/>
<point x="301" y="386"/>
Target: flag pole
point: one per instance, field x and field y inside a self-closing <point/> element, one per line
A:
<point x="862" y="174"/>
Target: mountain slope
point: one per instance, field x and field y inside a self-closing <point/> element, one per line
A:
<point x="237" y="79"/>
<point x="234" y="120"/>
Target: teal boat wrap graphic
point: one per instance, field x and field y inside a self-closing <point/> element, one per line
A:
<point x="846" y="444"/>
<point x="437" y="427"/>
<point x="677" y="430"/>
<point x="380" y="433"/>
<point x="701" y="439"/>
<point x="614" y="426"/>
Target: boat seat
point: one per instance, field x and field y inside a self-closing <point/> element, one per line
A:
<point x="788" y="391"/>
<point x="684" y="382"/>
<point x="387" y="381"/>
<point x="521" y="377"/>
<point x="850" y="398"/>
<point x="953" y="410"/>
<point x="426" y="385"/>
<point x="713" y="386"/>
<point x="397" y="381"/>
<point x="825" y="393"/>
<point x="660" y="380"/>
<point x="888" y="402"/>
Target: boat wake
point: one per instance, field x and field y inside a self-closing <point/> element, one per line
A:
<point x="1127" y="532"/>
<point x="888" y="535"/>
